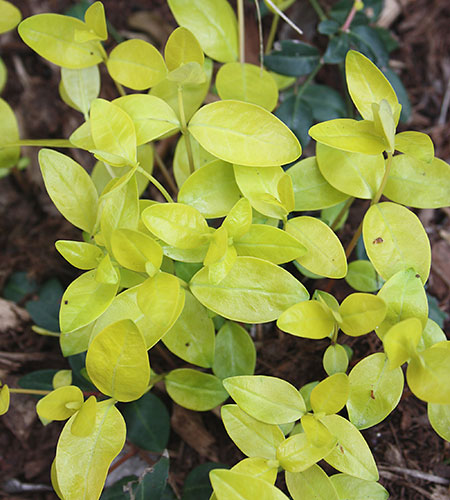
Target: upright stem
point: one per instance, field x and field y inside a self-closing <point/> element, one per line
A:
<point x="319" y="11"/>
<point x="272" y="33"/>
<point x="338" y="219"/>
<point x="159" y="161"/>
<point x="157" y="184"/>
<point x="348" y="21"/>
<point x="185" y="130"/>
<point x="241" y="18"/>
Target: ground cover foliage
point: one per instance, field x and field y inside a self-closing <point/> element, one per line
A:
<point x="159" y="271"/>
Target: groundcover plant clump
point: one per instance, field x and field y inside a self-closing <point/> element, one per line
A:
<point x="195" y="272"/>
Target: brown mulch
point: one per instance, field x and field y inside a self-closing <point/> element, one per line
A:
<point x="29" y="225"/>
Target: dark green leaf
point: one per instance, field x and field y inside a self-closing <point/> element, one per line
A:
<point x="434" y="312"/>
<point x="41" y="380"/>
<point x="78" y="10"/>
<point x="115" y="492"/>
<point x="389" y="42"/>
<point x="325" y="102"/>
<point x="148" y="423"/>
<point x="18" y="286"/>
<point x="45" y="310"/>
<point x="367" y="41"/>
<point x="77" y="363"/>
<point x="197" y="485"/>
<point x="293" y="59"/>
<point x="337" y="49"/>
<point x="340" y="11"/>
<point x="402" y="95"/>
<point x="328" y="27"/>
<point x="152" y="485"/>
<point x="297" y="115"/>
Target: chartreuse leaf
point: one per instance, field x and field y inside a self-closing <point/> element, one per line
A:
<point x="177" y="224"/>
<point x="405" y="297"/>
<point x="254" y="291"/>
<point x="428" y="374"/>
<point x="136" y="64"/>
<point x="384" y="123"/>
<point x="367" y="85"/>
<point x="134" y="250"/>
<point x="361" y="313"/>
<point x="106" y="272"/>
<point x="219" y="269"/>
<point x="355" y="174"/>
<point x="418" y="184"/>
<point x="349" y="135"/>
<point x="375" y="391"/>
<point x="439" y="417"/>
<point x="330" y="395"/>
<point x="82" y="463"/>
<point x="192" y="336"/>
<point x="239" y="219"/>
<point x="212" y="189"/>
<point x="269" y="243"/>
<point x="387" y="229"/>
<point x="400" y="342"/>
<point x="311" y="484"/>
<point x="60" y="404"/>
<point x="62" y="378"/>
<point x="247" y="82"/>
<point x="318" y="435"/>
<point x="181" y="168"/>
<point x="195" y="390"/>
<point x="244" y="134"/>
<point x="260" y="187"/>
<point x="4" y="399"/>
<point x="11" y="16"/>
<point x="80" y="254"/>
<point x="84" y="421"/>
<point x="311" y="190"/>
<point x="297" y="453"/>
<point x="230" y="485"/>
<point x="308" y="319"/>
<point x="161" y="299"/>
<point x="261" y="468"/>
<point x="9" y="133"/>
<point x="117" y="361"/>
<point x="353" y="488"/>
<point x="351" y="455"/>
<point x="182" y="47"/>
<point x="70" y="188"/>
<point x="54" y="480"/>
<point x="52" y="36"/>
<point x="82" y="86"/>
<point x="3" y="75"/>
<point x="234" y="353"/>
<point x="152" y="117"/>
<point x="305" y="391"/>
<point x="432" y="334"/>
<point x="213" y="22"/>
<point x="94" y="18"/>
<point x="268" y="399"/>
<point x="325" y="255"/>
<point x="217" y="246"/>
<point x="362" y="276"/>
<point x="85" y="300"/>
<point x="252" y="437"/>
<point x="113" y="134"/>
<point x="416" y="145"/>
<point x="335" y="359"/>
<point x="82" y="137"/>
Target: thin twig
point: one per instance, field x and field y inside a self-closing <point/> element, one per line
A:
<point x="425" y="476"/>
<point x="284" y="17"/>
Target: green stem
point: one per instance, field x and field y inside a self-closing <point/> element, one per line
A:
<point x="335" y="334"/>
<point x="272" y="33"/>
<point x="319" y="11"/>
<point x="51" y="143"/>
<point x="29" y="391"/>
<point x="156" y="183"/>
<point x="185" y="130"/>
<point x="299" y="92"/>
<point x="346" y="206"/>
<point x="241" y="18"/>
<point x="159" y="161"/>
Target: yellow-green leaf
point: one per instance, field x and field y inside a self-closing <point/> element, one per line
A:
<point x="361" y="313"/>
<point x="252" y="437"/>
<point x="362" y="276"/>
<point x="82" y="463"/>
<point x="353" y="488"/>
<point x="374" y="391"/>
<point x="311" y="484"/>
<point x="268" y="399"/>
<point x="82" y="86"/>
<point x="400" y="342"/>
<point x="214" y="24"/>
<point x="367" y="85"/>
<point x="439" y="417"/>
<point x="62" y="378"/>
<point x="257" y="467"/>
<point x="84" y="421"/>
<point x="106" y="272"/>
<point x="244" y="134"/>
<point x="330" y="395"/>
<point x="195" y="390"/>
<point x="212" y="189"/>
<point x="85" y="300"/>
<point x="415" y="144"/>
<point x="9" y="133"/>
<point x="239" y="219"/>
<point x="355" y="174"/>
<point x="10" y="16"/>
<point x="318" y="435"/>
<point x="182" y="47"/>
<point x="335" y="359"/>
<point x="248" y="83"/>
<point x="52" y="36"/>
<point x="384" y="123"/>
<point x="308" y="319"/>
<point x="60" y="404"/>
<point x="181" y="168"/>
<point x="387" y="229"/>
<point x="4" y="399"/>
<point x="432" y="334"/>
<point x="80" y="254"/>
<point x="94" y="18"/>
<point x="254" y="291"/>
<point x="325" y="255"/>
<point x="117" y="361"/>
<point x="136" y="64"/>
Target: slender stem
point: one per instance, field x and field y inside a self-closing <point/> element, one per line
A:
<point x="29" y="391"/>
<point x="272" y="33"/>
<point x="119" y="87"/>
<point x="335" y="334"/>
<point x="241" y="18"/>
<point x="310" y="78"/>
<point x="348" y="21"/>
<point x="156" y="183"/>
<point x="319" y="11"/>
<point x="185" y="130"/>
<point x="283" y="16"/>
<point x="159" y="161"/>
<point x="51" y="143"/>
<point x="346" y="206"/>
<point x="353" y="241"/>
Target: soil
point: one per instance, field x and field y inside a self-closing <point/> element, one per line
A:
<point x="29" y="225"/>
